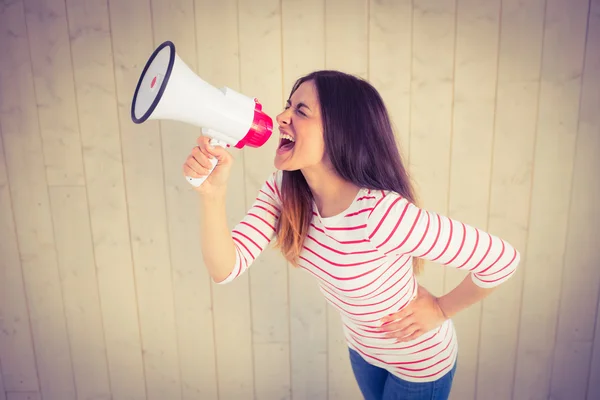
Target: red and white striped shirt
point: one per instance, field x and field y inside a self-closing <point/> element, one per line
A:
<point x="362" y="259"/>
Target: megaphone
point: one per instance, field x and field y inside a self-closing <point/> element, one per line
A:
<point x="169" y="89"/>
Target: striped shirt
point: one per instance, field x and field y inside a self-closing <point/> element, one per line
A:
<point x="362" y="260"/>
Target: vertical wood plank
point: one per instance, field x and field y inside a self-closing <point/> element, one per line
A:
<point x="431" y="113"/>
<point x="346" y="32"/>
<point x="54" y="84"/>
<point x="23" y="396"/>
<point x="514" y="139"/>
<point x="29" y="194"/>
<point x="59" y="126"/>
<point x="304" y="52"/>
<point x="80" y="287"/>
<point x="93" y="70"/>
<point x="308" y="314"/>
<point x="476" y="55"/>
<point x="53" y="79"/>
<point x="562" y="64"/>
<point x="17" y="355"/>
<point x="390" y="50"/>
<point x="144" y="182"/>
<point x="593" y="389"/>
<point x="572" y="364"/>
<point x="2" y="391"/>
<point x="175" y="21"/>
<point x="261" y="77"/>
<point x="219" y="64"/>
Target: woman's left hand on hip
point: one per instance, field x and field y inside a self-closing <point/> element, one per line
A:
<point x="420" y="316"/>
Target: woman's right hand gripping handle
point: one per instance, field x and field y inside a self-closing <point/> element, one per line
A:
<point x="198" y="165"/>
<point x="218" y="249"/>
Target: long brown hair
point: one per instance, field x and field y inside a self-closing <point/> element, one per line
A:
<point x="359" y="141"/>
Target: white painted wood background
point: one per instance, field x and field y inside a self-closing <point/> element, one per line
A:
<point x="103" y="294"/>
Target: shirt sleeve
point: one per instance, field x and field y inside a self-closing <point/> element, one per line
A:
<point x="256" y="230"/>
<point x="396" y="226"/>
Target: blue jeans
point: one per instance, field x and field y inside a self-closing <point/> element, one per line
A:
<point x="378" y="384"/>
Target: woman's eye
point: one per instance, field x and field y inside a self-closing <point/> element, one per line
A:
<point x="295" y="109"/>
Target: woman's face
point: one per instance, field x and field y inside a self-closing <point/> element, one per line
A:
<point x="301" y="143"/>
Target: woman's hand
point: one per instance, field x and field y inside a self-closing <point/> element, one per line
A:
<point x="198" y="165"/>
<point x="419" y="317"/>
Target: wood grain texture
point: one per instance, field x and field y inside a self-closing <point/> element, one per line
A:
<point x="346" y="33"/>
<point x="93" y="70"/>
<point x="431" y="113"/>
<point x="144" y="183"/>
<point x="558" y="109"/>
<point x="593" y="389"/>
<point x="23" y="396"/>
<point x="304" y="52"/>
<point x="521" y="38"/>
<point x="55" y="95"/>
<point x="476" y="58"/>
<point x="261" y="77"/>
<point x="17" y="354"/>
<point x="390" y="61"/>
<point x="219" y="63"/>
<point x="2" y="390"/>
<point x="176" y="21"/>
<point x="30" y="201"/>
<point x="77" y="268"/>
<point x="575" y="354"/>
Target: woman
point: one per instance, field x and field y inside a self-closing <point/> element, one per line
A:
<point x="341" y="206"/>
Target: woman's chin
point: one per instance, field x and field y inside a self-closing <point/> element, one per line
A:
<point x="282" y="161"/>
<point x="281" y="165"/>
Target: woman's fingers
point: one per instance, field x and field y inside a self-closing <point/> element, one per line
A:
<point x="399" y="326"/>
<point x="218" y="152"/>
<point x="411" y="336"/>
<point x="202" y="158"/>
<point x="192" y="169"/>
<point x="205" y="146"/>
<point x="210" y="162"/>
<point x="404" y="330"/>
<point x="197" y="164"/>
<point x="202" y="141"/>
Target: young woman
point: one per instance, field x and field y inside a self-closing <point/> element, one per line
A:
<point x="341" y="207"/>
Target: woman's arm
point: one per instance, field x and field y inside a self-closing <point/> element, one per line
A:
<point x="426" y="312"/>
<point x="462" y="296"/>
<point x="231" y="254"/>
<point x="218" y="248"/>
<point x="228" y="254"/>
<point x="398" y="227"/>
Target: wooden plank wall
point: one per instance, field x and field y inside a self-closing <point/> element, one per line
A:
<point x="103" y="294"/>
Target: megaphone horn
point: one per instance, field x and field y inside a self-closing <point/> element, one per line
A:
<point x="169" y="89"/>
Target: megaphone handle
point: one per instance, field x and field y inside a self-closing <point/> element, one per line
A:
<point x="198" y="181"/>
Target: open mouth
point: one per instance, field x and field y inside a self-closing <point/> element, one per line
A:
<point x="286" y="142"/>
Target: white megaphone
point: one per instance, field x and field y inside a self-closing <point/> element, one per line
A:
<point x="169" y="89"/>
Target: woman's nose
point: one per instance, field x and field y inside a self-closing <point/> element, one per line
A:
<point x="283" y="118"/>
